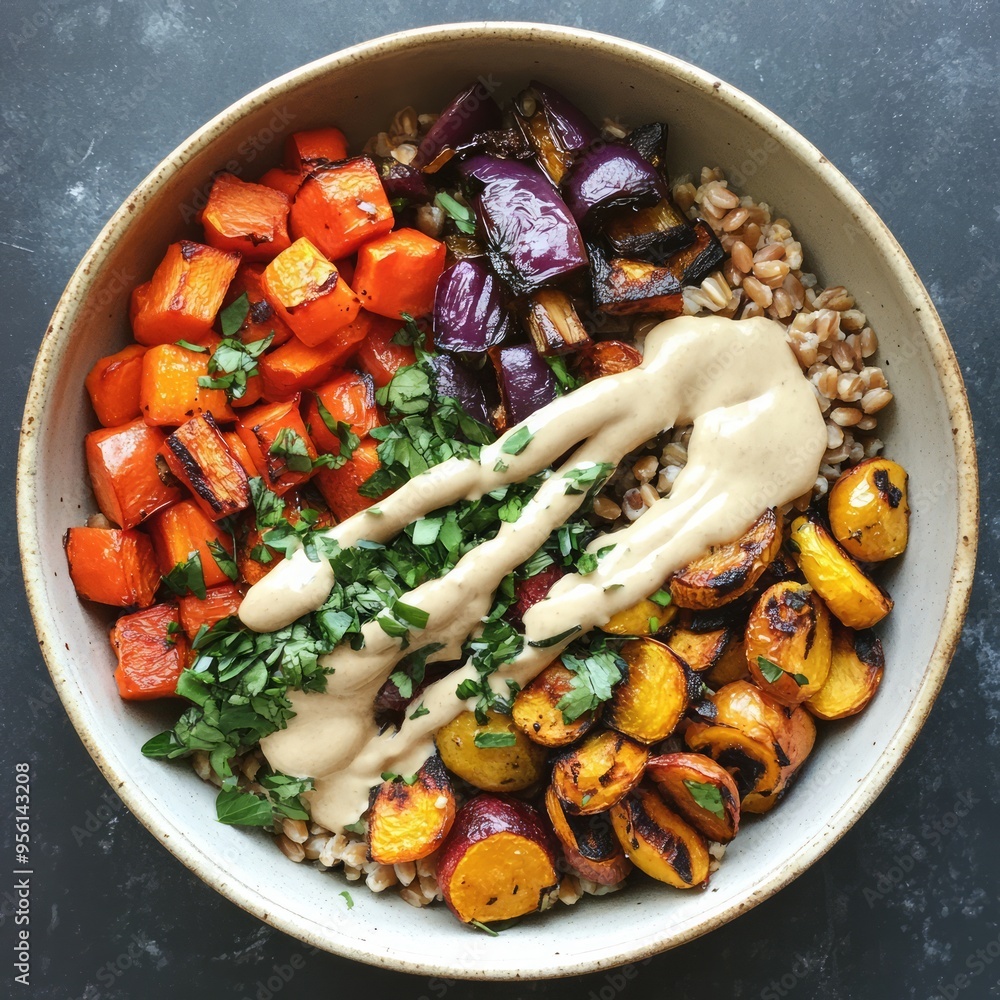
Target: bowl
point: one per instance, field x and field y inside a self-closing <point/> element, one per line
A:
<point x="929" y="432"/>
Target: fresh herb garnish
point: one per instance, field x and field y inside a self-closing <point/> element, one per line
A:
<point x="772" y="673"/>
<point x="419" y="711"/>
<point x="494" y="741"/>
<point x="706" y="795"/>
<point x="187" y="577"/>
<point x="188" y="346"/>
<point x="587" y="476"/>
<point x="232" y="364"/>
<point x="290" y="446"/>
<point x="596" y="670"/>
<point x="517" y="441"/>
<point x="662" y="597"/>
<point x="223" y="559"/>
<point x="460" y="214"/>
<point x="409" y="334"/>
<point x="341" y="430"/>
<point x="347" y="899"/>
<point x="566" y="380"/>
<point x="232" y="318"/>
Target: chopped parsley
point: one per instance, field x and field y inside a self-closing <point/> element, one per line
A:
<point x="233" y="364"/>
<point x="341" y="430"/>
<point x="706" y="795"/>
<point x="460" y="214"/>
<point x="565" y="379"/>
<point x="494" y="741"/>
<point x="347" y="899"/>
<point x="187" y="577"/>
<point x="596" y="669"/>
<point x="772" y="673"/>
<point x="517" y="441"/>
<point x="223" y="559"/>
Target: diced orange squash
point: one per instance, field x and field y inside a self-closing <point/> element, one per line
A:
<point x="124" y="472"/>
<point x="239" y="451"/>
<point x="340" y="486"/>
<point x="152" y="653"/>
<point x="249" y="218"/>
<point x="181" y="300"/>
<point x="340" y="207"/>
<point x="182" y="529"/>
<point x="259" y="429"/>
<point x="348" y="398"/>
<point x="261" y="319"/>
<point x="197" y="454"/>
<point x="398" y="273"/>
<point x="113" y="385"/>
<point x="169" y="393"/>
<point x="303" y="150"/>
<point x="283" y="180"/>
<point x="111" y="566"/>
<point x="295" y="366"/>
<point x="305" y="290"/>
<point x="379" y="356"/>
<point x="220" y="602"/>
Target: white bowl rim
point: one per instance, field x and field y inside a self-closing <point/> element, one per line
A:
<point x="868" y="788"/>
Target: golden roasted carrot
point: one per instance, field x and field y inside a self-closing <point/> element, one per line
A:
<point x="277" y="441"/>
<point x="113" y="386"/>
<point x="307" y="149"/>
<point x="592" y="777"/>
<point x="152" y="652"/>
<point x="169" y="393"/>
<point x="183" y="529"/>
<point x="112" y="566"/>
<point x="220" y="601"/>
<point x="251" y="219"/>
<point x="398" y="273"/>
<point x="348" y="398"/>
<point x="340" y="486"/>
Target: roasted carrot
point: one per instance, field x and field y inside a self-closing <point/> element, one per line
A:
<point x="379" y="356"/>
<point x="347" y="398"/>
<point x="183" y="529"/>
<point x="294" y="366"/>
<point x="304" y="150"/>
<point x="253" y="557"/>
<point x="275" y="438"/>
<point x="249" y="218"/>
<point x="239" y="451"/>
<point x="398" y="273"/>
<point x="219" y="602"/>
<point x="286" y="181"/>
<point x="261" y="319"/>
<point x="340" y="486"/>
<point x="124" y="472"/>
<point x="198" y="455"/>
<point x="182" y="298"/>
<point x="305" y="289"/>
<point x="169" y="393"/>
<point x="152" y="652"/>
<point x="112" y="566"/>
<point x="341" y="206"/>
<point x="113" y="385"/>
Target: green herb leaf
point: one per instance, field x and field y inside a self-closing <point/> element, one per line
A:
<point x="706" y="795"/>
<point x="238" y="808"/>
<point x="460" y="214"/>
<point x="232" y="364"/>
<point x="341" y="430"/>
<point x="596" y="670"/>
<point x="409" y="334"/>
<point x="347" y="899"/>
<point x="234" y="315"/>
<point x="662" y="597"/>
<point x="564" y="377"/>
<point x="187" y="577"/>
<point x="188" y="346"/>
<point x="290" y="446"/>
<point x="223" y="559"/>
<point x="517" y="441"/>
<point x="420" y="711"/>
<point x="494" y="741"/>
<point x="479" y="925"/>
<point x="582" y="478"/>
<point x="772" y="673"/>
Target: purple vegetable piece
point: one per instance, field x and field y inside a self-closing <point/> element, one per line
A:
<point x="401" y="181"/>
<point x="454" y="380"/>
<point x="614" y="174"/>
<point x="472" y="111"/>
<point x="469" y="313"/>
<point x="526" y="381"/>
<point x="570" y="127"/>
<point x="531" y="237"/>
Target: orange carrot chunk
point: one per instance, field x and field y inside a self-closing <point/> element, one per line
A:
<point x="261" y="319"/>
<point x="379" y="356"/>
<point x="275" y="437"/>
<point x="181" y="530"/>
<point x="113" y="385"/>
<point x="111" y="566"/>
<point x="152" y="652"/>
<point x="340" y="486"/>
<point x="307" y="292"/>
<point x="197" y="454"/>
<point x="169" y="393"/>
<point x="341" y="206"/>
<point x="398" y="273"/>
<point x="283" y="180"/>
<point x="125" y="474"/>
<point x="220" y="602"/>
<point x="239" y="451"/>
<point x="182" y="298"/>
<point x="294" y="366"/>
<point x="304" y="150"/>
<point x="249" y="218"/>
<point x="348" y="398"/>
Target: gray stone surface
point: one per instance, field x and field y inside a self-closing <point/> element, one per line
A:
<point x="902" y="95"/>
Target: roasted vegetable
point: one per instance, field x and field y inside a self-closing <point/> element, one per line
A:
<point x="152" y="652"/>
<point x="496" y="757"/>
<point x="556" y="129"/>
<point x="623" y="286"/>
<point x="261" y="320"/>
<point x="531" y="237"/>
<point x="470" y="316"/>
<point x="197" y="454"/>
<point x="397" y="273"/>
<point x="182" y="298"/>
<point x="855" y="599"/>
<point x="181" y="531"/>
<point x="649" y="233"/>
<point x="645" y="618"/>
<point x="278" y="443"/>
<point x="379" y="356"/>
<point x="755" y="766"/>
<point x="401" y="180"/>
<point x="452" y="379"/>
<point x="406" y="822"/>
<point x="693" y="264"/>
<point x="728" y="571"/>
<point x="306" y="291"/>
<point x="111" y="566"/>
<point x="788" y="642"/>
<point x="498" y="862"/>
<point x="730" y="666"/>
<point x="657" y="841"/>
<point x="348" y="399"/>
<point x="122" y="462"/>
<point x="797" y="741"/>
<point x="855" y="675"/>
<point x="607" y="357"/>
<point x="284" y="180"/>
<point x="341" y="206"/>
<point x="249" y="218"/>
<point x="169" y="393"/>
<point x="526" y="381"/>
<point x="869" y="512"/>
<point x="701" y="790"/>
<point x="310" y="148"/>
<point x="701" y="651"/>
<point x="592" y="777"/>
<point x="536" y="709"/>
<point x="340" y="486"/>
<point x="113" y="386"/>
<point x="471" y="112"/>
<point x="221" y="601"/>
<point x="608" y="175"/>
<point x="589" y="844"/>
<point x="649" y="703"/>
<point x="553" y="324"/>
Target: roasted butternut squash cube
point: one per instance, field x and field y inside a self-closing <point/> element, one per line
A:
<point x="152" y="653"/>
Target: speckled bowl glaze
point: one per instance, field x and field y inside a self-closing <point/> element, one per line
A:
<point x="929" y="432"/>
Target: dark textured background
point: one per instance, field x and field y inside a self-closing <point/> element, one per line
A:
<point x="901" y="95"/>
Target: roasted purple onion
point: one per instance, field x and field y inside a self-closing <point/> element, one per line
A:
<point x="556" y="128"/>
<point x="401" y="181"/>
<point x="454" y="380"/>
<point x="611" y="175"/>
<point x="469" y="313"/>
<point x="472" y="111"/>
<point x="526" y="382"/>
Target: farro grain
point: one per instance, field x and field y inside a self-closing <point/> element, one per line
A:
<point x="875" y="399"/>
<point x="645" y="468"/>
<point x="767" y="253"/>
<point x="406" y="872"/>
<point x="735" y="219"/>
<point x="867" y="423"/>
<point x="742" y="256"/>
<point x="291" y="850"/>
<point x="648" y="494"/>
<point x="760" y="293"/>
<point x="849" y="388"/>
<point x="846" y="416"/>
<point x="869" y="342"/>
<point x="295" y="830"/>
<point x="607" y="509"/>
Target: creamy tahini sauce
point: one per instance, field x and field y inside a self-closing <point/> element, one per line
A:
<point x="757" y="441"/>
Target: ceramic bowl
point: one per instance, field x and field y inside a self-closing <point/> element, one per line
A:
<point x="929" y="432"/>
